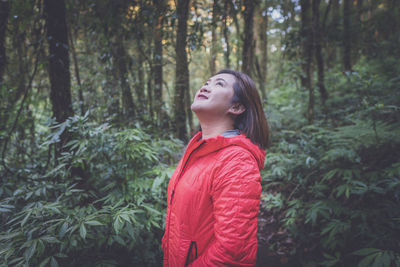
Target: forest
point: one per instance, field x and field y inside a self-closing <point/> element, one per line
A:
<point x="95" y="113"/>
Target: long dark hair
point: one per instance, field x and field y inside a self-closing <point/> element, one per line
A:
<point x="251" y="122"/>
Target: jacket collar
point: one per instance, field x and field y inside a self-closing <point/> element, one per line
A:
<point x="216" y="143"/>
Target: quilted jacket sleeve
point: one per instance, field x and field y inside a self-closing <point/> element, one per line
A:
<point x="235" y="194"/>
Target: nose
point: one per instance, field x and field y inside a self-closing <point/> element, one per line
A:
<point x="204" y="90"/>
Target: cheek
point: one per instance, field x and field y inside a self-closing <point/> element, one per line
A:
<point x="226" y="98"/>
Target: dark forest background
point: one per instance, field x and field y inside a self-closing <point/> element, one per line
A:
<point x="95" y="112"/>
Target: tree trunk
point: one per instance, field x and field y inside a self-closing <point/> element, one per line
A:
<point x="226" y="35"/>
<point x="120" y="56"/>
<point x="234" y="14"/>
<point x="139" y="89"/>
<point x="307" y="44"/>
<point x="331" y="47"/>
<point x="213" y="53"/>
<point x="60" y="84"/>
<point x="248" y="44"/>
<point x="182" y="70"/>
<point x="189" y="114"/>
<point x="358" y="31"/>
<point x="347" y="10"/>
<point x="262" y="66"/>
<point x="150" y="98"/>
<point x="158" y="59"/>
<point x="318" y="50"/>
<point x="326" y="13"/>
<point x="111" y="96"/>
<point x="77" y="76"/>
<point x="4" y="12"/>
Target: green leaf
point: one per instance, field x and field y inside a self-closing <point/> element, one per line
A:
<point x="44" y="262"/>
<point x="30" y="251"/>
<point x="50" y="239"/>
<point x="118" y="224"/>
<point x="82" y="231"/>
<point x="125" y="217"/>
<point x="93" y="223"/>
<point x="119" y="240"/>
<point x="366" y="262"/>
<point x="386" y="259"/>
<point x="53" y="262"/>
<point x="151" y="209"/>
<point x="378" y="260"/>
<point x="366" y="251"/>
<point x="26" y="218"/>
<point x="347" y="194"/>
<point x="4" y="210"/>
<point x="9" y="236"/>
<point x="63" y="230"/>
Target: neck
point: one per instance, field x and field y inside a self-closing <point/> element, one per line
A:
<point x="212" y="129"/>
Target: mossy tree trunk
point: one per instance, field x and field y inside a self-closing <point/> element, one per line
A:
<point x="248" y="43"/>
<point x="181" y="70"/>
<point x="318" y="50"/>
<point x="60" y="83"/>
<point x="307" y="48"/>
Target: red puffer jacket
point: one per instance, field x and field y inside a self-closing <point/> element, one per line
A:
<point x="213" y="202"/>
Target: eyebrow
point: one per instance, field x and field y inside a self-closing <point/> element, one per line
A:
<point x="218" y="79"/>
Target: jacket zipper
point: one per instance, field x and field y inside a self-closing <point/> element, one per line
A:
<point x="173" y="192"/>
<point x="192" y="244"/>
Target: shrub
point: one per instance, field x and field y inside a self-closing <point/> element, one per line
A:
<point x="101" y="203"/>
<point x="334" y="188"/>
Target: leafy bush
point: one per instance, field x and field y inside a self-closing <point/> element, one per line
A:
<point x="333" y="187"/>
<point x="100" y="204"/>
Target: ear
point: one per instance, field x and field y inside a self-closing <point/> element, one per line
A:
<point x="236" y="109"/>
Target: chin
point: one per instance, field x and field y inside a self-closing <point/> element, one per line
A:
<point x="195" y="107"/>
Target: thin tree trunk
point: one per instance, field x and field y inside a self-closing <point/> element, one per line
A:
<point x="189" y="114"/>
<point x="234" y="13"/>
<point x="182" y="70"/>
<point x="262" y="65"/>
<point x="213" y="53"/>
<point x="331" y="48"/>
<point x="226" y="35"/>
<point x="120" y="55"/>
<point x="307" y="44"/>
<point x="111" y="94"/>
<point x="326" y="13"/>
<point x="248" y="44"/>
<point x="141" y="86"/>
<point x="77" y="76"/>
<point x="358" y="30"/>
<point x="158" y="59"/>
<point x="347" y="11"/>
<point x="150" y="97"/>
<point x="318" y="50"/>
<point x="60" y="84"/>
<point x="4" y="12"/>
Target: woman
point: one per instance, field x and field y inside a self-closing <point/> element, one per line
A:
<point x="214" y="193"/>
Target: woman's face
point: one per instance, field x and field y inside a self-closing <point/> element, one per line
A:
<point x="215" y="96"/>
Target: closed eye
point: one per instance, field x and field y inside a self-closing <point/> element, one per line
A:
<point x="220" y="83"/>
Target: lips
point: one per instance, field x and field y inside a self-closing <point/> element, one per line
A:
<point x="201" y="96"/>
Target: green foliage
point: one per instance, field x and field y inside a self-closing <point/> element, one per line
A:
<point x="336" y="189"/>
<point x="102" y="203"/>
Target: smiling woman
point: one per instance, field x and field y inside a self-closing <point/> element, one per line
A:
<point x="214" y="194"/>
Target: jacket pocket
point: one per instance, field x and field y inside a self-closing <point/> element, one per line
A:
<point x="189" y="256"/>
